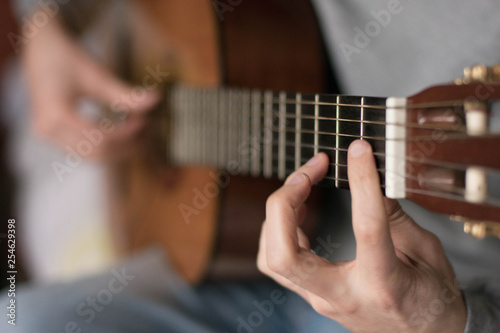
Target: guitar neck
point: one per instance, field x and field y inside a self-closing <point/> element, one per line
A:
<point x="263" y="133"/>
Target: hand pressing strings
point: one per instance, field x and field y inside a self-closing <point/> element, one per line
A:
<point x="400" y="270"/>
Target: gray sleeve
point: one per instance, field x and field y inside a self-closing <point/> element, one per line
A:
<point x="483" y="308"/>
<point x="23" y="8"/>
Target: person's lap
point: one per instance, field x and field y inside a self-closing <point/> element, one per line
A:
<point x="145" y="295"/>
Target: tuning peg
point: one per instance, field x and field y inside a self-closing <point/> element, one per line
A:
<point x="482" y="229"/>
<point x="478" y="229"/>
<point x="496" y="73"/>
<point x="480" y="73"/>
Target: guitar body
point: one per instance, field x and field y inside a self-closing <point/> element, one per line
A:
<point x="206" y="220"/>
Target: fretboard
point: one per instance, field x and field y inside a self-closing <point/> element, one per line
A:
<point x="262" y="133"/>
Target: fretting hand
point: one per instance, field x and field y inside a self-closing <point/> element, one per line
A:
<point x="400" y="281"/>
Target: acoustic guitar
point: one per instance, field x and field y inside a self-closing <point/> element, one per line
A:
<point x="230" y="130"/>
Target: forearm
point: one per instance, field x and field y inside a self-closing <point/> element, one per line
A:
<point x="483" y="308"/>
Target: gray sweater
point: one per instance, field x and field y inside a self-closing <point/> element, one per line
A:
<point x="418" y="44"/>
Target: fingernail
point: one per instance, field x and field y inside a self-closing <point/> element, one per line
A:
<point x="313" y="161"/>
<point x="296" y="179"/>
<point x="358" y="148"/>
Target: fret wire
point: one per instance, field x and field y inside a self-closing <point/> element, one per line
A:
<point x="193" y="125"/>
<point x="209" y="127"/>
<point x="215" y="125"/>
<point x="185" y="129"/>
<point x="205" y="128"/>
<point x="237" y="128"/>
<point x="182" y="131"/>
<point x="316" y="124"/>
<point x="225" y="127"/>
<point x="237" y="124"/>
<point x="220" y="132"/>
<point x="179" y="124"/>
<point x="298" y="127"/>
<point x="235" y="110"/>
<point x="194" y="121"/>
<point x="220" y="160"/>
<point x="189" y="121"/>
<point x="268" y="125"/>
<point x="230" y="126"/>
<point x="186" y="125"/>
<point x="337" y="141"/>
<point x="362" y="116"/>
<point x="181" y="142"/>
<point x="254" y="141"/>
<point x="197" y="113"/>
<point x="245" y="133"/>
<point x="282" y="136"/>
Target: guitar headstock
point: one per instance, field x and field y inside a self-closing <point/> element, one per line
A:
<point x="452" y="151"/>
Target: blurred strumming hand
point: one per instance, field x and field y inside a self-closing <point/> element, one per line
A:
<point x="59" y="74"/>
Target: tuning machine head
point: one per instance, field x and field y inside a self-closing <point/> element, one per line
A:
<point x="478" y="229"/>
<point x="480" y="73"/>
